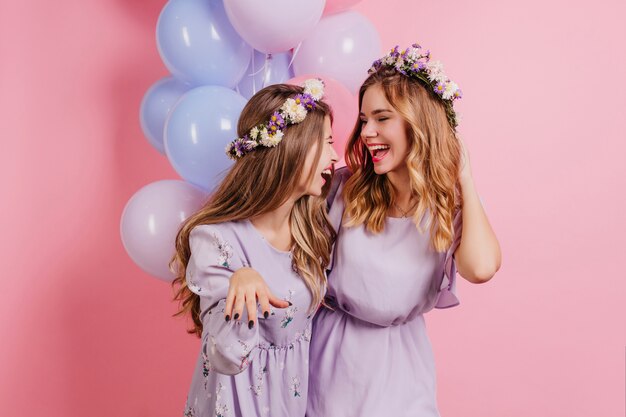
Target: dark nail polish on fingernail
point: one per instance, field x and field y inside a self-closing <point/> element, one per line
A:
<point x="250" y="324"/>
<point x="227" y="319"/>
<point x="289" y="303"/>
<point x="236" y="316"/>
<point x="266" y="314"/>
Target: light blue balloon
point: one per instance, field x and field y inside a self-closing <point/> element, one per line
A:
<point x="265" y="70"/>
<point x="156" y="106"/>
<point x="200" y="126"/>
<point x="199" y="45"/>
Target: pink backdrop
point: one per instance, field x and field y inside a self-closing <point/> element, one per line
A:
<point x="85" y="332"/>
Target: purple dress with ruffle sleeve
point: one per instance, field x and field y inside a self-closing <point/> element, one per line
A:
<point x="244" y="372"/>
<point x="371" y="356"/>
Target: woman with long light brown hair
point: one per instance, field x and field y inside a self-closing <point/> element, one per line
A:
<point x="269" y="214"/>
<point x="408" y="217"/>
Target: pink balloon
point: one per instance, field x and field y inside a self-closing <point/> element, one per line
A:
<point x="151" y="220"/>
<point x="342" y="46"/>
<point x="344" y="105"/>
<point x="335" y="6"/>
<point x="272" y="26"/>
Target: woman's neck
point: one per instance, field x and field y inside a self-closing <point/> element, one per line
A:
<point x="275" y="225"/>
<point x="401" y="185"/>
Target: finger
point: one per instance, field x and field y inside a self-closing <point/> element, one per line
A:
<point x="251" y="306"/>
<point x="277" y="302"/>
<point x="265" y="304"/>
<point x="239" y="303"/>
<point x="228" y="307"/>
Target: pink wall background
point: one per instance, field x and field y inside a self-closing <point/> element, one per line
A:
<point x="85" y="332"/>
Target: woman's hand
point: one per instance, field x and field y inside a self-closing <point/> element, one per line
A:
<point x="246" y="287"/>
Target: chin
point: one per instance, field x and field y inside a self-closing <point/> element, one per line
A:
<point x="381" y="169"/>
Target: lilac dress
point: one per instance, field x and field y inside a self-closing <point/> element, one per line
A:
<point x="261" y="371"/>
<point x="371" y="356"/>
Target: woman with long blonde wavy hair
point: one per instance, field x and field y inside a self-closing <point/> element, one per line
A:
<point x="269" y="214"/>
<point x="407" y="217"/>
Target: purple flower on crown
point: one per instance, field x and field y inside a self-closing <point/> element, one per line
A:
<point x="276" y="123"/>
<point x="306" y="100"/>
<point x="458" y="94"/>
<point x="440" y="88"/>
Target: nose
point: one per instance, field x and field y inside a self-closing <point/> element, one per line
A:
<point x="368" y="131"/>
<point x="333" y="155"/>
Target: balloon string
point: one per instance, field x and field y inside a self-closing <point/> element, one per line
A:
<point x="293" y="56"/>
<point x="267" y="69"/>
<point x="252" y="75"/>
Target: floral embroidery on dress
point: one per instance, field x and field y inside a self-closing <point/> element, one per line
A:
<point x="256" y="389"/>
<point x="193" y="285"/>
<point x="221" y="410"/>
<point x="225" y="251"/>
<point x="189" y="410"/>
<point x="290" y="312"/>
<point x="206" y="368"/>
<point x="245" y="354"/>
<point x="294" y="387"/>
<point x="306" y="335"/>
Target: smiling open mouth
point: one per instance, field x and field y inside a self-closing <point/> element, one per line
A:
<point x="327" y="174"/>
<point x="378" y="152"/>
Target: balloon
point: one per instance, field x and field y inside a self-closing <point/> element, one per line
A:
<point x="335" y="6"/>
<point x="198" y="44"/>
<point x="265" y="70"/>
<point x="344" y="105"/>
<point x="150" y="222"/>
<point x="342" y="46"/>
<point x="155" y="107"/>
<point x="274" y="25"/>
<point x="200" y="126"/>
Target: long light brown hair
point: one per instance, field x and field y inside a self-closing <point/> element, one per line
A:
<point x="260" y="182"/>
<point x="433" y="162"/>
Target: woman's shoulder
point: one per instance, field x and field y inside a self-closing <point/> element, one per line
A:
<point x="340" y="177"/>
<point x="342" y="174"/>
<point x="230" y="231"/>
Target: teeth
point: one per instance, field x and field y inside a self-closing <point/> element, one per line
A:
<point x="326" y="171"/>
<point x="378" y="147"/>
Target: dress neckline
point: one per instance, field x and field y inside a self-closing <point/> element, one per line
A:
<point x="260" y="235"/>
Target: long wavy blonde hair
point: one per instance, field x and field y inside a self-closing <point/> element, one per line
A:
<point x="260" y="182"/>
<point x="433" y="162"/>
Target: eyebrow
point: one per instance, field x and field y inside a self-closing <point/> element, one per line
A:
<point x="377" y="111"/>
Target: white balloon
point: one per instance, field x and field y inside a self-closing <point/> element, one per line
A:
<point x="272" y="26"/>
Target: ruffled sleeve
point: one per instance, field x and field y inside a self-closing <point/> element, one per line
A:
<point x="447" y="293"/>
<point x="226" y="346"/>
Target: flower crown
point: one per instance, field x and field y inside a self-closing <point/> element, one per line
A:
<point x="415" y="62"/>
<point x="293" y="111"/>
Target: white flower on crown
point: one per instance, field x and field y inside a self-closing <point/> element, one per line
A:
<point x="315" y="88"/>
<point x="254" y="132"/>
<point x="451" y="88"/>
<point x="414" y="54"/>
<point x="389" y="60"/>
<point x="435" y="71"/>
<point x="272" y="140"/>
<point x="294" y="111"/>
<point x="264" y="136"/>
<point x="399" y="63"/>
